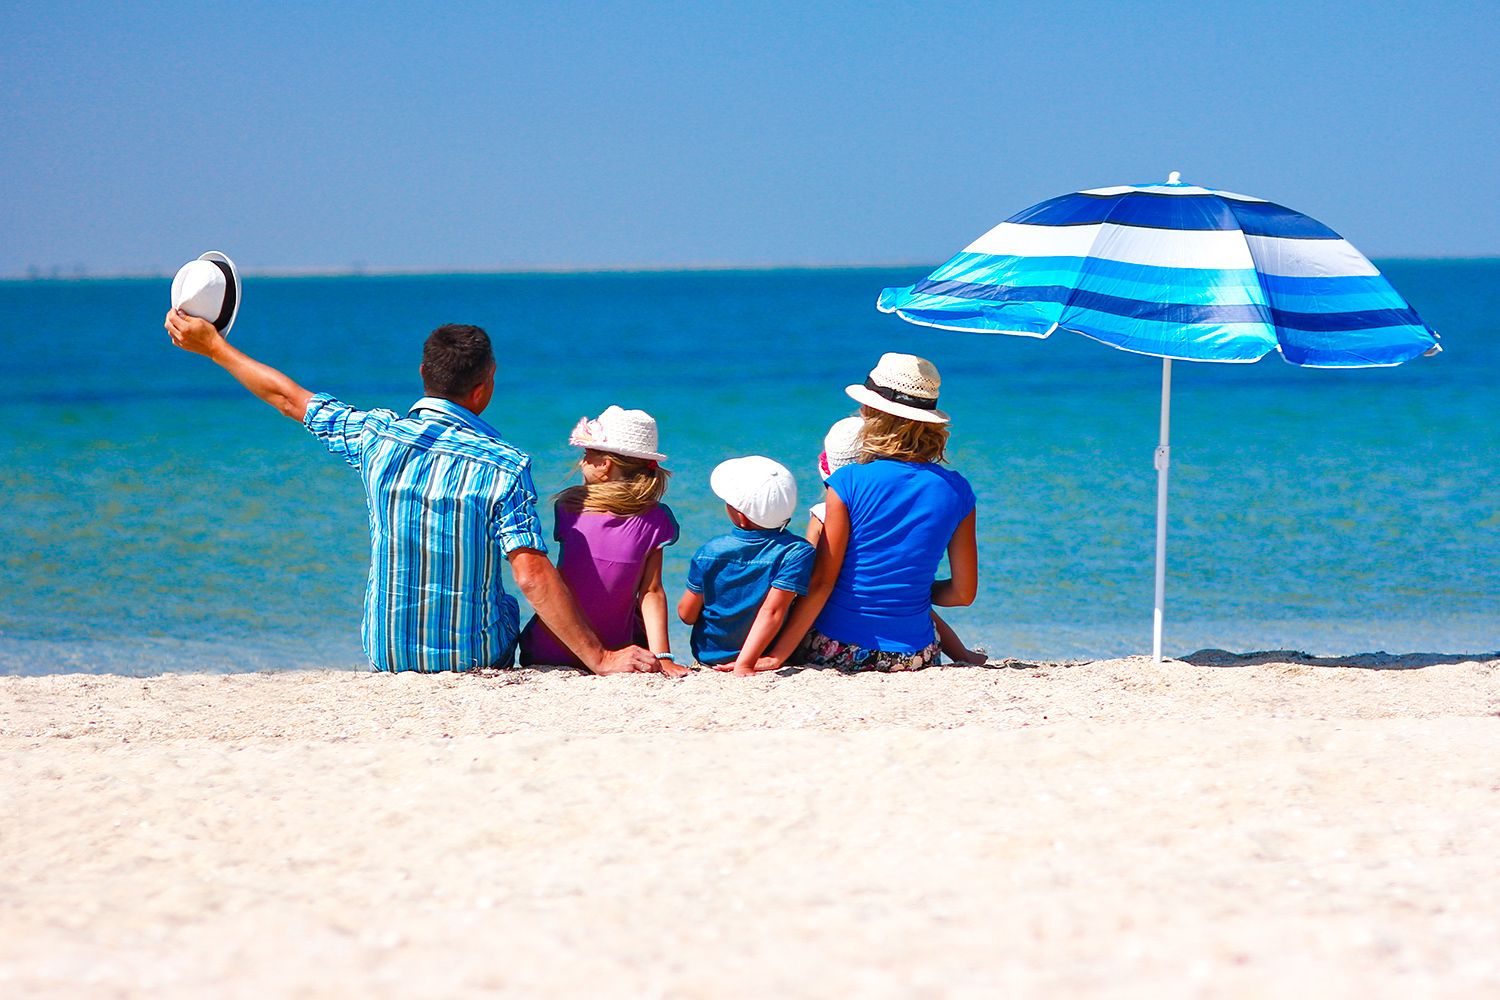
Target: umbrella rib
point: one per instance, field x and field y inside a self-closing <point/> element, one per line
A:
<point x="1260" y="279"/>
<point x="1084" y="265"/>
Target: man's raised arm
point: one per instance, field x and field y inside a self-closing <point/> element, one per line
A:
<point x="199" y="336"/>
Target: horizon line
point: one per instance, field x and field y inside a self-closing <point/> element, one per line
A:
<point x="402" y="271"/>
<point x="57" y="273"/>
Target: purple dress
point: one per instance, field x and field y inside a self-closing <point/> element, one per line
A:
<point x="600" y="558"/>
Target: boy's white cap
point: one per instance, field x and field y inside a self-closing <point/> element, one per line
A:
<point x="631" y="433"/>
<point x="208" y="288"/>
<point x="762" y="490"/>
<point x="840" y="446"/>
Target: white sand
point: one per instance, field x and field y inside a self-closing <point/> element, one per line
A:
<point x="1253" y="828"/>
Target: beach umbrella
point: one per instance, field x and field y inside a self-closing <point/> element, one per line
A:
<point x="1178" y="272"/>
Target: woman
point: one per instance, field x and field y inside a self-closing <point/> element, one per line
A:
<point x="889" y="519"/>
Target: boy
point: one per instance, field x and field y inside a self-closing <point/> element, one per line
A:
<point x="741" y="585"/>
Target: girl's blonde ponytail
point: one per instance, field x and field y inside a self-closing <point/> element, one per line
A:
<point x="643" y="485"/>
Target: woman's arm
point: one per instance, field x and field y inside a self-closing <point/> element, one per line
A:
<point x="825" y="573"/>
<point x="653" y="601"/>
<point x="962" y="586"/>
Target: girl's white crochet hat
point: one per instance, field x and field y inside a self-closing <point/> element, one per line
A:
<point x="905" y="385"/>
<point x="631" y="433"/>
<point x="840" y="446"/>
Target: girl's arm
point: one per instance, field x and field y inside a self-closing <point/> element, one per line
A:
<point x="765" y="627"/>
<point x="653" y="602"/>
<point x="814" y="531"/>
<point x="962" y="585"/>
<point x="830" y="559"/>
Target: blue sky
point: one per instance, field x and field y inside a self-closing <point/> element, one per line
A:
<point x="618" y="134"/>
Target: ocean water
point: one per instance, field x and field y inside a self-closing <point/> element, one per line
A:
<point x="158" y="518"/>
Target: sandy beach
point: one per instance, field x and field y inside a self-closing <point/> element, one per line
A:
<point x="1228" y="826"/>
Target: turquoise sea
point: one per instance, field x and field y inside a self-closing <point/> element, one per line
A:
<point x="157" y="518"/>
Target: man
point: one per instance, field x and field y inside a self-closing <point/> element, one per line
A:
<point x="447" y="497"/>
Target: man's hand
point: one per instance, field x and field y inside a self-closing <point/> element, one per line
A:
<point x="630" y="660"/>
<point x="192" y="333"/>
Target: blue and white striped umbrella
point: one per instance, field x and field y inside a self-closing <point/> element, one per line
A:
<point x="1177" y="272"/>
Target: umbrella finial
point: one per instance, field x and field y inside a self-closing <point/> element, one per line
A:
<point x="1175" y="177"/>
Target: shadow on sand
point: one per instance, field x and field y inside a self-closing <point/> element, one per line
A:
<point x="1363" y="661"/>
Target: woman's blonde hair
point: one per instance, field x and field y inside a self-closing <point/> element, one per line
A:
<point x="642" y="485"/>
<point x="886" y="435"/>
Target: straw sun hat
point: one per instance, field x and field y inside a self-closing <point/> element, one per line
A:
<point x="208" y="288"/>
<point x="902" y="384"/>
<point x="631" y="433"/>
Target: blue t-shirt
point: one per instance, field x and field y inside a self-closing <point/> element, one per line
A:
<point x="901" y="517"/>
<point x="734" y="573"/>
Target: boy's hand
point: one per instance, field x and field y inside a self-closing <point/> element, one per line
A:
<point x="192" y="333"/>
<point x="763" y="665"/>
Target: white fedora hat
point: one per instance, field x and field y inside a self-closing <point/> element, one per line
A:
<point x="208" y="288"/>
<point x="903" y="384"/>
<point x="761" y="489"/>
<point x="631" y="433"/>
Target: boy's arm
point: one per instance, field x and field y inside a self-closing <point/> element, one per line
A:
<point x="200" y="337"/>
<point x="689" y="607"/>
<point x="654" y="615"/>
<point x="763" y="630"/>
<point x="825" y="573"/>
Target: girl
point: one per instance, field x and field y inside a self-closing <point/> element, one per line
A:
<point x="611" y="531"/>
<point x="841" y="447"/>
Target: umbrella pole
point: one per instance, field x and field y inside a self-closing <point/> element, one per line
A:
<point x="1163" y="463"/>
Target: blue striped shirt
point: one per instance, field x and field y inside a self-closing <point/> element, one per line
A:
<point x="448" y="500"/>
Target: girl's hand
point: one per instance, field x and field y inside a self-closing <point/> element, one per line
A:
<point x="671" y="668"/>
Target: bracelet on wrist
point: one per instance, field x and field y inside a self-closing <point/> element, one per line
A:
<point x="665" y="656"/>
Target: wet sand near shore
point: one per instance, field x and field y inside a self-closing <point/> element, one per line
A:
<point x="1230" y="825"/>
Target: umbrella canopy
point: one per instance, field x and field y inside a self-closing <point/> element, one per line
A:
<point x="1178" y="272"/>
<point x="1175" y="271"/>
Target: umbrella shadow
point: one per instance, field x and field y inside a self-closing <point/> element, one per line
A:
<point x="1380" y="660"/>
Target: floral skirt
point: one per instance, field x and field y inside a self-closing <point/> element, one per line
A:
<point x="818" y="650"/>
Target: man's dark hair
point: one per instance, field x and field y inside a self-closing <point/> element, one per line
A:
<point x="455" y="359"/>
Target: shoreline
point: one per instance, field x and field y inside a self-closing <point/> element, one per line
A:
<point x="1247" y="825"/>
